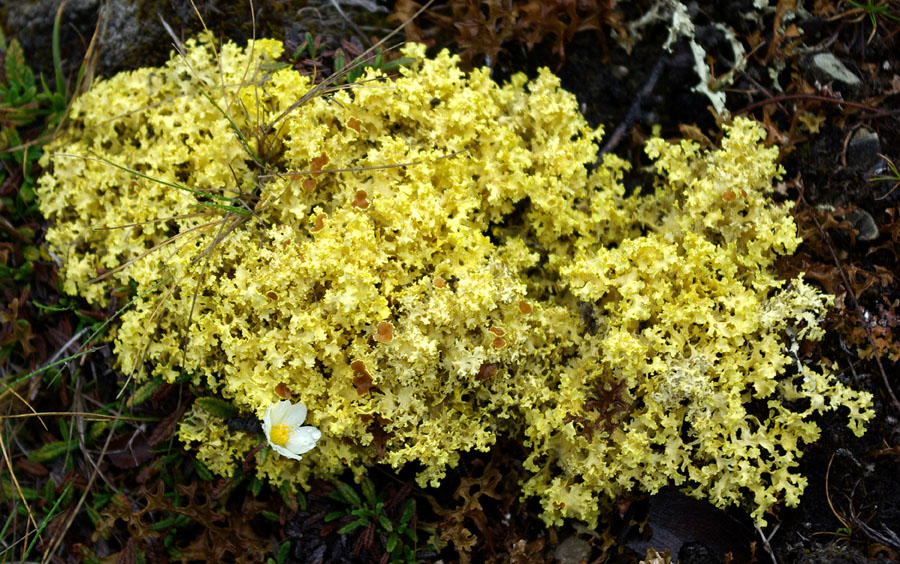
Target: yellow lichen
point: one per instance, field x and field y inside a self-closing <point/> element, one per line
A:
<point x="431" y="262"/>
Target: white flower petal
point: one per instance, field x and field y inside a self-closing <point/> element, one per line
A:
<point x="280" y="410"/>
<point x="267" y="422"/>
<point x="288" y="418"/>
<point x="296" y="416"/>
<point x="285" y="452"/>
<point x="303" y="439"/>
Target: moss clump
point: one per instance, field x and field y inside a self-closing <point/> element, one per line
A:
<point x="423" y="308"/>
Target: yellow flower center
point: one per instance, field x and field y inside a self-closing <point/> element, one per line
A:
<point x="280" y="434"/>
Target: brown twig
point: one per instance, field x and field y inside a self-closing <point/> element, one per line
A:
<point x="817" y="98"/>
<point x="847" y="525"/>
<point x="764" y="90"/>
<point x="847" y="144"/>
<point x="631" y="116"/>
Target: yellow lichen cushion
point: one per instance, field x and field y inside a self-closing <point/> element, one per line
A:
<point x="431" y="260"/>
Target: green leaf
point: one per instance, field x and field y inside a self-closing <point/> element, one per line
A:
<point x="334" y="516"/>
<point x="163" y="525"/>
<point x="26" y="232"/>
<point x="397" y="63"/>
<point x="93" y="515"/>
<point x="203" y="471"/>
<point x="255" y="486"/>
<point x="18" y="74"/>
<point x="57" y="59"/>
<point x="340" y="60"/>
<point x="354" y="74"/>
<point x="30" y="253"/>
<point x="368" y="490"/>
<point x="353" y="526"/>
<point x="409" y="509"/>
<point x="12" y="139"/>
<point x="271" y="516"/>
<point x="348" y="495"/>
<point x="50" y="451"/>
<point x="230" y="209"/>
<point x="385" y="523"/>
<point x="283" y="552"/>
<point x="218" y="407"/>
<point x="311" y="45"/>
<point x="298" y="52"/>
<point x="273" y="67"/>
<point x="27" y="194"/>
<point x="51" y="308"/>
<point x="411" y="533"/>
<point x="391" y="543"/>
<point x="9" y="491"/>
<point x="97" y="428"/>
<point x="288" y="496"/>
<point x="144" y="392"/>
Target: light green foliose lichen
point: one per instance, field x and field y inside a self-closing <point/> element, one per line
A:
<point x="635" y="341"/>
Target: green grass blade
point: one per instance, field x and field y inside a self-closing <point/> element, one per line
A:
<point x="147" y="177"/>
<point x="45" y="521"/>
<point x="57" y="59"/>
<point x="237" y="130"/>
<point x="231" y="209"/>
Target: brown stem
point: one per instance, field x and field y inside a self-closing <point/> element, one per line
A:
<point x="813" y="97"/>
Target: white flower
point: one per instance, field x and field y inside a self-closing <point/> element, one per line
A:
<point x="284" y="433"/>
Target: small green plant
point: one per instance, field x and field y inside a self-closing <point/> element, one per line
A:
<point x="20" y="101"/>
<point x="20" y="106"/>
<point x="372" y="513"/>
<point x="871" y="10"/>
<point x="894" y="177"/>
<point x="348" y="62"/>
<point x="281" y="556"/>
<point x="310" y="45"/>
<point x="378" y="62"/>
<point x="23" y="104"/>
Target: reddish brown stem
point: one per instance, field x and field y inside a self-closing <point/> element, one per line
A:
<point x="813" y="97"/>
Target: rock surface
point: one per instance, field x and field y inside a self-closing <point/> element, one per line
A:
<point x="826" y="68"/>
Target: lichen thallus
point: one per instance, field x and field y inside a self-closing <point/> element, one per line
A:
<point x="229" y="207"/>
<point x="232" y="207"/>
